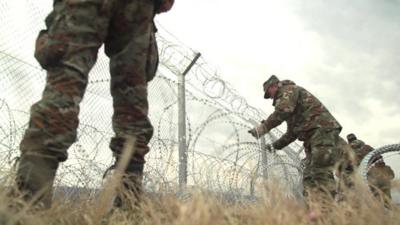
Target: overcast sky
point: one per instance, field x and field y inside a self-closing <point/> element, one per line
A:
<point x="344" y="52"/>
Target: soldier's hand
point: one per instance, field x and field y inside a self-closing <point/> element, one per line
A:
<point x="258" y="131"/>
<point x="165" y="6"/>
<point x="253" y="132"/>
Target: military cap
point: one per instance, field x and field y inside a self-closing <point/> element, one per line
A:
<point x="271" y="80"/>
<point x="351" y="137"/>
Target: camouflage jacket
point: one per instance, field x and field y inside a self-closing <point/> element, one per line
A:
<point x="302" y="112"/>
<point x="380" y="171"/>
<point x="360" y="149"/>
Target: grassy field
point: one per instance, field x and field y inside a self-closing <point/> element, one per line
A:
<point x="271" y="209"/>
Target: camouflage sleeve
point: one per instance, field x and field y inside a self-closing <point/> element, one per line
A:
<point x="367" y="148"/>
<point x="364" y="150"/>
<point x="284" y="107"/>
<point x="390" y="172"/>
<point x="285" y="140"/>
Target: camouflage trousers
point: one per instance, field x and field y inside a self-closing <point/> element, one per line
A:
<point x="323" y="152"/>
<point x="68" y="49"/>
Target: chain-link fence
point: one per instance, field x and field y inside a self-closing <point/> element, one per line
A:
<point x="222" y="156"/>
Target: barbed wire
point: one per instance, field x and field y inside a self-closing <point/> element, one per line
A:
<point x="223" y="157"/>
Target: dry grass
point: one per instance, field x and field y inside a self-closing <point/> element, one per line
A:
<point x="274" y="209"/>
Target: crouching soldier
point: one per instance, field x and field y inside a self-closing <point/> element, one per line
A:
<point x="379" y="176"/>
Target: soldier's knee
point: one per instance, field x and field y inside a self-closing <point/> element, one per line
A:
<point x="48" y="50"/>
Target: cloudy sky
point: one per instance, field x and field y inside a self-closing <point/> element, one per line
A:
<point x="344" y="52"/>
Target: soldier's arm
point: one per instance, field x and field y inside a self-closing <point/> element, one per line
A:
<point x="284" y="108"/>
<point x="368" y="148"/>
<point x="364" y="149"/>
<point x="390" y="172"/>
<point x="285" y="140"/>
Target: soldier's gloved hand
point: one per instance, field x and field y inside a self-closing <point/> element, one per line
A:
<point x="270" y="148"/>
<point x="253" y="132"/>
<point x="258" y="131"/>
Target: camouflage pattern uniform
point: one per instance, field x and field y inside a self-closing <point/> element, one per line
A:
<point x="309" y="121"/>
<point x="380" y="175"/>
<point x="67" y="50"/>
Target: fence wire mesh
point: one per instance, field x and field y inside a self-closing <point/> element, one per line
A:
<point x="222" y="156"/>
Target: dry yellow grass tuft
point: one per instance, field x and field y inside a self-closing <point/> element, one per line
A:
<point x="273" y="208"/>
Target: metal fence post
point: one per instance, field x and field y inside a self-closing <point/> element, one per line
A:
<point x="264" y="158"/>
<point x="182" y="125"/>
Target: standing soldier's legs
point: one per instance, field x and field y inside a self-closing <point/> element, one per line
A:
<point x="318" y="177"/>
<point x="133" y="61"/>
<point x="67" y="49"/>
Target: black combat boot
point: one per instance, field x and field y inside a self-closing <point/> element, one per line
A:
<point x="35" y="177"/>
